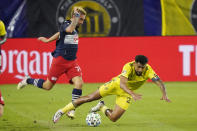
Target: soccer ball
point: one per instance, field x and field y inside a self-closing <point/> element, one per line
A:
<point x="93" y="119"/>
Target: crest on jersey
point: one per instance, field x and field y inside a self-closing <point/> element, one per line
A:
<point x="124" y="72"/>
<point x="103" y="17"/>
<point x="71" y="39"/>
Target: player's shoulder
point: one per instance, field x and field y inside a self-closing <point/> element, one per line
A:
<point x="130" y="64"/>
<point x="67" y="22"/>
<point x="148" y="68"/>
<point x="64" y="25"/>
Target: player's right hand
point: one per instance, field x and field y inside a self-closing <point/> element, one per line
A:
<point x="136" y="96"/>
<point x="43" y="39"/>
<point x="76" y="12"/>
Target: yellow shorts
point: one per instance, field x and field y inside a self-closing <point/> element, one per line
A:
<point x="123" y="99"/>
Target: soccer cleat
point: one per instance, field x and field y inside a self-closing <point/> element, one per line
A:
<point x="23" y="83"/>
<point x="98" y="106"/>
<point x="71" y="114"/>
<point x="57" y="116"/>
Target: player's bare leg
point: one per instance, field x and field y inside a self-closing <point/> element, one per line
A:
<point x="40" y="83"/>
<point x="76" y="93"/>
<point x="84" y="99"/>
<point x="113" y="115"/>
<point x="1" y="110"/>
<point x="78" y="82"/>
<point x="72" y="105"/>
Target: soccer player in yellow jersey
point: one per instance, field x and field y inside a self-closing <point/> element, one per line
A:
<point x="2" y="38"/>
<point x="133" y="76"/>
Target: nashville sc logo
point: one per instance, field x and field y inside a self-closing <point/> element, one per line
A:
<point x="194" y="14"/>
<point x="103" y="17"/>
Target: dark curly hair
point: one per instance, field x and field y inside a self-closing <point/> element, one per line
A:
<point x="141" y="59"/>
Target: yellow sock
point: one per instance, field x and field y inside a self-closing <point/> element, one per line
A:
<point x="68" y="107"/>
<point x="104" y="108"/>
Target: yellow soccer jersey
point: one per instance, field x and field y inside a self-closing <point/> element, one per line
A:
<point x="135" y="81"/>
<point x="2" y="29"/>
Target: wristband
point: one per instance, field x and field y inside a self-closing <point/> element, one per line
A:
<point x="77" y="15"/>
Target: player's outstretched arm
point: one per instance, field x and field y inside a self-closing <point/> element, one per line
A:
<point x="52" y="38"/>
<point x="163" y="90"/>
<point x="123" y="85"/>
<point x="75" y="20"/>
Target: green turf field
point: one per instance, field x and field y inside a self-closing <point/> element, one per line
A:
<point x="31" y="109"/>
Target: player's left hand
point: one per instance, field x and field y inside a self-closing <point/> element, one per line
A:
<point x="165" y="98"/>
<point x="43" y="39"/>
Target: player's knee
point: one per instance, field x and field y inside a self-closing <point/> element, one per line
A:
<point x="113" y="119"/>
<point x="47" y="87"/>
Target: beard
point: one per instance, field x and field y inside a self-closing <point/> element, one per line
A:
<point x="138" y="73"/>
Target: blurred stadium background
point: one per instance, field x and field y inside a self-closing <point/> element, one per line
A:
<point x="113" y="33"/>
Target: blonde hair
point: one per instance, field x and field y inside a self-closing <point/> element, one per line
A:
<point x="79" y="9"/>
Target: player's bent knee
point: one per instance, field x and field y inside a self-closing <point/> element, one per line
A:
<point x="113" y="119"/>
<point x="48" y="88"/>
<point x="48" y="85"/>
